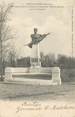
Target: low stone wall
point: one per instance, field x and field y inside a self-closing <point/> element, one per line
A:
<point x="54" y="72"/>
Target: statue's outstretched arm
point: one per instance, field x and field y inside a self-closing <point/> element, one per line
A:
<point x="44" y="35"/>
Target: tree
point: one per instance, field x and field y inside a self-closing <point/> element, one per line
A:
<point x="12" y="57"/>
<point x="4" y="33"/>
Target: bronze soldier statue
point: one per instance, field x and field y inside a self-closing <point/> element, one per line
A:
<point x="36" y="38"/>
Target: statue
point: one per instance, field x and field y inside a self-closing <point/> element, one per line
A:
<point x="36" y="38"/>
<point x="34" y="44"/>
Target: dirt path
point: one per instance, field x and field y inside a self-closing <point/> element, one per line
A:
<point x="16" y="91"/>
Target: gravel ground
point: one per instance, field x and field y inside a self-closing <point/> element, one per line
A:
<point x="17" y="91"/>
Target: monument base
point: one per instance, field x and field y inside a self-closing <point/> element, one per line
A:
<point x="35" y="60"/>
<point x="35" y="65"/>
<point x="42" y="76"/>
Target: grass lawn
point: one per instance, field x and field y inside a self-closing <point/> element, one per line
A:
<point x="17" y="91"/>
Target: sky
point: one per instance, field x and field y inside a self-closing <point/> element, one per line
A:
<point x="57" y="21"/>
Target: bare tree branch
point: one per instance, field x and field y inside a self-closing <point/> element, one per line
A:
<point x="5" y="33"/>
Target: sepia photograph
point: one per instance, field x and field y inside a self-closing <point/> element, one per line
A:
<point x="37" y="58"/>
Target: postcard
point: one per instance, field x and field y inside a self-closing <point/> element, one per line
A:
<point x="37" y="58"/>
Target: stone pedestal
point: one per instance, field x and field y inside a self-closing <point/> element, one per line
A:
<point x="35" y="56"/>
